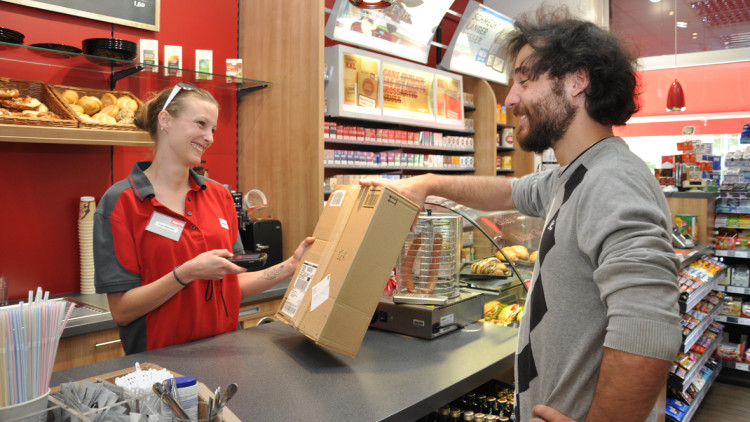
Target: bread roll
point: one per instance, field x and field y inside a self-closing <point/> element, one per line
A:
<point x="42" y="108"/>
<point x="70" y="96"/>
<point x="90" y="105"/>
<point x="509" y="252"/>
<point x="533" y="256"/>
<point x="9" y="93"/>
<point x="125" y="113"/>
<point x="132" y="104"/>
<point x="521" y="252"/>
<point x="110" y="110"/>
<point x="108" y="99"/>
<point x="104" y="118"/>
<point x="76" y="108"/>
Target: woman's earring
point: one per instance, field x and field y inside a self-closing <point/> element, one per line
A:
<point x="162" y="128"/>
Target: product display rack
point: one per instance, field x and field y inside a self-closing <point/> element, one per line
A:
<point x="704" y="391"/>
<point x="734" y="204"/>
<point x="503" y="151"/>
<point x="688" y="303"/>
<point x="97" y="69"/>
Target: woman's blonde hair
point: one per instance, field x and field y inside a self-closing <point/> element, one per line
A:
<point x="147" y="117"/>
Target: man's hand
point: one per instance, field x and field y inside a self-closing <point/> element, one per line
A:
<point x="415" y="188"/>
<point x="548" y="414"/>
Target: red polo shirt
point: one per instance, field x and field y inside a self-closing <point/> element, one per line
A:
<point x="127" y="255"/>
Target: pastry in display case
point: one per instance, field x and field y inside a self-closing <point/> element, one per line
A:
<point x="498" y="253"/>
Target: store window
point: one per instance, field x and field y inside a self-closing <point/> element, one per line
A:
<point x="652" y="148"/>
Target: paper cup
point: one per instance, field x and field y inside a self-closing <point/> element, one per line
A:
<point x="86" y="208"/>
<point x="32" y="410"/>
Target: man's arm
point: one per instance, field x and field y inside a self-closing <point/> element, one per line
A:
<point x="628" y="386"/>
<point x="478" y="192"/>
<point x="627" y="389"/>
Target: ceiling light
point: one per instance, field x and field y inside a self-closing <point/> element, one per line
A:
<point x="372" y="4"/>
<point x="681" y="24"/>
<point x="655" y="1"/>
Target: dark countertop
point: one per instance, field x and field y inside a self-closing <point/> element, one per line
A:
<point x="282" y="375"/>
<point x="102" y="319"/>
<point x="692" y="194"/>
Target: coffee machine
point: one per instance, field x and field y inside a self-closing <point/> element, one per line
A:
<point x="258" y="234"/>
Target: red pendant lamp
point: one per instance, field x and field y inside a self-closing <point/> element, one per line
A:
<point x="372" y="4"/>
<point x="676" y="96"/>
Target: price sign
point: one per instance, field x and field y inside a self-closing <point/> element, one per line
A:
<point x="733" y="289"/>
<point x="142" y="14"/>
<point x="742" y="366"/>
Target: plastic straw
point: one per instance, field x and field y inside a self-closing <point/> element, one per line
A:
<point x="29" y="336"/>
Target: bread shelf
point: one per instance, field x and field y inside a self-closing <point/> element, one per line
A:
<point x="73" y="136"/>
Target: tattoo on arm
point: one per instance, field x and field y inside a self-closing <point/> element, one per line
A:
<point x="272" y="272"/>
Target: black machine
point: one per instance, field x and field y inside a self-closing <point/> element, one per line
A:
<point x="259" y="235"/>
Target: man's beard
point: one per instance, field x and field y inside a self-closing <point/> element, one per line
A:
<point x="548" y="120"/>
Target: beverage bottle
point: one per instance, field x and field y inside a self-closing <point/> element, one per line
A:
<point x="492" y="406"/>
<point x="443" y="414"/>
<point x="455" y="415"/>
<point x="479" y="417"/>
<point x="468" y="416"/>
<point x="502" y="405"/>
<point x="481" y="404"/>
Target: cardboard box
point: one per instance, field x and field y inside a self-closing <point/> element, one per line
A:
<point x="334" y="293"/>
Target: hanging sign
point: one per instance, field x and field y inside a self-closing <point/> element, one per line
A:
<point x="142" y="14"/>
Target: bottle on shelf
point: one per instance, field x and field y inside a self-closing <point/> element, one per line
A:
<point x="492" y="406"/>
<point x="455" y="415"/>
<point x="468" y="416"/>
<point x="480" y="417"/>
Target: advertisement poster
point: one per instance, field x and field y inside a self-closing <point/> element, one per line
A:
<point x="407" y="92"/>
<point x="405" y="29"/>
<point x="361" y="82"/>
<point x="449" y="103"/>
<point x="476" y="47"/>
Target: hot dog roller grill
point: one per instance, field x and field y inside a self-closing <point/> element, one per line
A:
<point x="428" y="268"/>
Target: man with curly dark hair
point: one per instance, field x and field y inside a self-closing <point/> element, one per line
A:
<point x="602" y="322"/>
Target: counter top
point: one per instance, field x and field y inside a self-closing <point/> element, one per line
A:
<point x="103" y="319"/>
<point x="282" y="375"/>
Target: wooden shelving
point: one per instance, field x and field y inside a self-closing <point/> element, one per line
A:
<point x="74" y="136"/>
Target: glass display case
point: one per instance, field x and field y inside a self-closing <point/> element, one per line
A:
<point x="498" y="251"/>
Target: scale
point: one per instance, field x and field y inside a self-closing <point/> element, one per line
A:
<point x="428" y="301"/>
<point x="429" y="321"/>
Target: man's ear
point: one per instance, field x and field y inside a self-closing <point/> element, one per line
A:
<point x="578" y="82"/>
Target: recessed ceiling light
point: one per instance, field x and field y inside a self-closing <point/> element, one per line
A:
<point x="681" y="24"/>
<point x="655" y="1"/>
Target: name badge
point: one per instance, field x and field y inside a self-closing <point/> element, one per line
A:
<point x="166" y="226"/>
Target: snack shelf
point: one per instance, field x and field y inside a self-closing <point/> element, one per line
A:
<point x="688" y="256"/>
<point x="504" y="125"/>
<point x="505" y="149"/>
<point x="75" y="136"/>
<point x="733" y="320"/>
<point x="696" y="296"/>
<point x="732" y="289"/>
<point x="683" y="384"/>
<point x="702" y="394"/>
<point x="697" y="332"/>
<point x="740" y="366"/>
<point x="410" y="145"/>
<point x="742" y="209"/>
<point x="396" y="168"/>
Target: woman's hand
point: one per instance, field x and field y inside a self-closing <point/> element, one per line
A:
<point x="294" y="260"/>
<point x="210" y="265"/>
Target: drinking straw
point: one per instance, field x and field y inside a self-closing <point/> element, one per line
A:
<point x="29" y="336"/>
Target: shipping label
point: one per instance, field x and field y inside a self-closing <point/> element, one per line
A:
<point x="301" y="284"/>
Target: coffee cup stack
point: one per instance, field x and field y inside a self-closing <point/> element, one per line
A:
<point x="86" y="210"/>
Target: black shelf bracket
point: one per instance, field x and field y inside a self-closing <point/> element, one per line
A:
<point x="120" y="74"/>
<point x="242" y="91"/>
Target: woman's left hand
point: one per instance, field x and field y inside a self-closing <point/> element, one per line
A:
<point x="297" y="256"/>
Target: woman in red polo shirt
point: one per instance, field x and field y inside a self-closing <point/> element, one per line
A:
<point x="162" y="235"/>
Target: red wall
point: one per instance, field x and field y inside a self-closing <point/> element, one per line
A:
<point x="708" y="90"/>
<point x="42" y="183"/>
